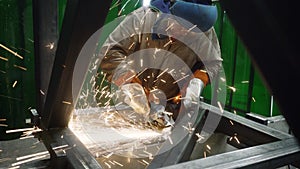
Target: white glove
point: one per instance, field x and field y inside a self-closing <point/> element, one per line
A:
<point x="193" y="92"/>
<point x="134" y="96"/>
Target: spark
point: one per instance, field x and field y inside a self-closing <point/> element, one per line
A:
<point x="142" y="61"/>
<point x="141" y="72"/>
<point x="204" y="154"/>
<point x="14" y="167"/>
<point x="169" y="27"/>
<point x="115" y="5"/>
<point x="107" y="164"/>
<point x="108" y="155"/>
<point x="29" y="132"/>
<point x="170" y="139"/>
<point x="145" y="162"/>
<point x="131" y="45"/>
<point x="169" y="42"/>
<point x="66" y="102"/>
<point x="234" y="111"/>
<point x="14" y="84"/>
<point x="192" y="28"/>
<point x="149" y="154"/>
<point x="26" y="137"/>
<point x="236" y="139"/>
<point x="253" y="99"/>
<point x="3" y="125"/>
<point x="136" y="3"/>
<point x="222" y="79"/>
<point x="171" y="71"/>
<point x="232" y="88"/>
<point x="30" y="40"/>
<point x="106" y="51"/>
<point x="208" y="147"/>
<point x="12" y="52"/>
<point x="2" y="119"/>
<point x="111" y="162"/>
<point x="3" y="58"/>
<point x="50" y="45"/>
<point x="141" y="162"/>
<point x="176" y="98"/>
<point x="32" y="155"/>
<point x="190" y="129"/>
<point x="181" y="79"/>
<point x="220" y="107"/>
<point x="20" y="67"/>
<point x="28" y="160"/>
<point x="123" y="7"/>
<point x="199" y="137"/>
<point x="43" y="93"/>
<point x="118" y="163"/>
<point x="163" y="80"/>
<point x="231" y="122"/>
<point x="245" y="81"/>
<point x="162" y="72"/>
<point x="104" y="76"/>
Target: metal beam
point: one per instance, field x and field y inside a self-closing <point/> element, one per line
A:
<point x="82" y="18"/>
<point x="245" y="126"/>
<point x="270" y="155"/>
<point x="45" y="28"/>
<point x="67" y="151"/>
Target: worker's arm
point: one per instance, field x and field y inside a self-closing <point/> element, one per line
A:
<point x="118" y="46"/>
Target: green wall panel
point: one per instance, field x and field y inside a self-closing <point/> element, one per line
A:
<point x="261" y="99"/>
<point x="240" y="92"/>
<point x="17" y="87"/>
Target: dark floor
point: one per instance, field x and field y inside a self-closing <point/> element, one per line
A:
<point x="24" y="153"/>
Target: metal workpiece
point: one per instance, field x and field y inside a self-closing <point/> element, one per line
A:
<point x="66" y="151"/>
<point x="253" y="145"/>
<point x="256" y="145"/>
<point x="263" y="146"/>
<point x="45" y="43"/>
<point x="81" y="19"/>
<point x="272" y="155"/>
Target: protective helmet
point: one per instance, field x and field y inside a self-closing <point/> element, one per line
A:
<point x="197" y="12"/>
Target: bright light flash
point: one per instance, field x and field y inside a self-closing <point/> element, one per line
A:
<point x="146" y="2"/>
<point x="232" y="88"/>
<point x="14" y="84"/>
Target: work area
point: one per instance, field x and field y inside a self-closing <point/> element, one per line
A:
<point x="147" y="84"/>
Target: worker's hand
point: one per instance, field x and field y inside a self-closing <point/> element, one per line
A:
<point x="193" y="92"/>
<point x="133" y="95"/>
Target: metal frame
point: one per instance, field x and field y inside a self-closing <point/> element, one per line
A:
<point x="82" y="18"/>
<point x="263" y="147"/>
<point x="270" y="148"/>
<point x="45" y="34"/>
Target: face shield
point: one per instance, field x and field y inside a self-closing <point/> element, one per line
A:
<point x="198" y="13"/>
